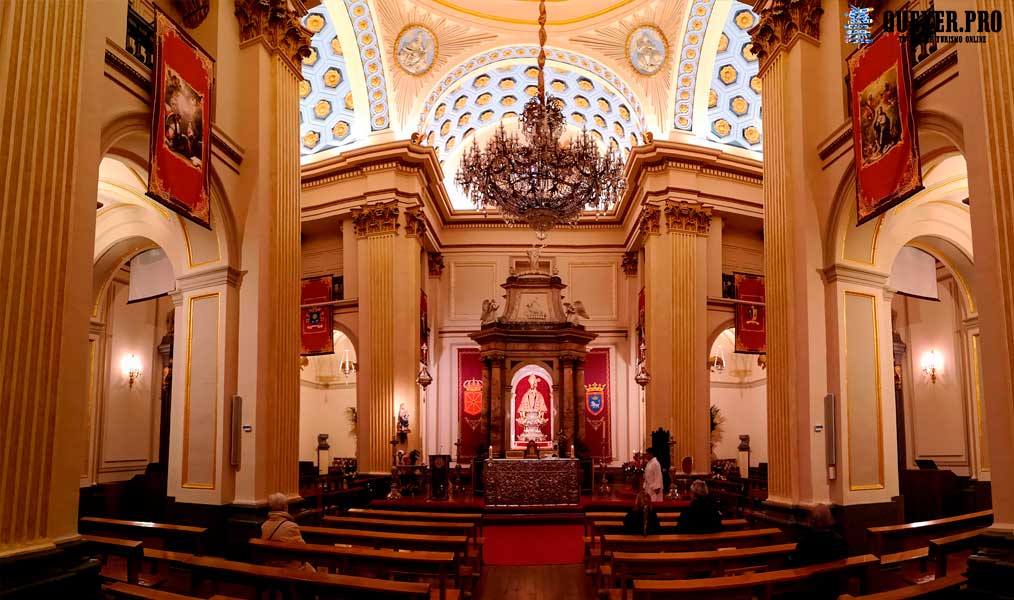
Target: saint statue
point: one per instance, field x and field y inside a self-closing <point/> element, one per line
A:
<point x="532" y="412"/>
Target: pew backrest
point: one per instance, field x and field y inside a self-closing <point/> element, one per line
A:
<point x="942" y="588"/>
<point x="386" y="539"/>
<point x="412" y="514"/>
<point x="941" y="548"/>
<point x="905" y="536"/>
<point x="763" y="584"/>
<point x="191" y="536"/>
<point x="131" y="550"/>
<point x="127" y="590"/>
<point x="408" y="526"/>
<point x="324" y="584"/>
<point x="689" y="542"/>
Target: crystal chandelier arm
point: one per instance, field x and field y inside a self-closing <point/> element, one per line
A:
<point x="542" y="50"/>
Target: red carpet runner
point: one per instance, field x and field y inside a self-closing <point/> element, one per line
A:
<point x="533" y="544"/>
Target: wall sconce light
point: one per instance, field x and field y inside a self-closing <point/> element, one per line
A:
<point x="931" y="361"/>
<point x="642" y="378"/>
<point x="424" y="378"/>
<point x="716" y="363"/>
<point x="131" y="366"/>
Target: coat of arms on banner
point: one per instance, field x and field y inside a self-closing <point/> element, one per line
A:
<point x="594" y="399"/>
<point x="473" y="397"/>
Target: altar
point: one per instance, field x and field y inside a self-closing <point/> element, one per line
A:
<point x="532" y="482"/>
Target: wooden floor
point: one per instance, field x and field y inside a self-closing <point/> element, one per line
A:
<point x="554" y="582"/>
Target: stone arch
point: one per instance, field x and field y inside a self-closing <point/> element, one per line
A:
<point x="718" y="329"/>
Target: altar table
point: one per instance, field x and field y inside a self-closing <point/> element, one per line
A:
<point x="532" y="482"/>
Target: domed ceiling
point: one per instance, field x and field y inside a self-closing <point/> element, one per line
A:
<point x="449" y="69"/>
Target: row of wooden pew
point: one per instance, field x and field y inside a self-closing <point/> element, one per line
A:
<point x="700" y="566"/>
<point x="372" y="554"/>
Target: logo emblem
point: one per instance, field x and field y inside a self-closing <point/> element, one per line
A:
<point x="594" y="396"/>
<point x="314" y="318"/>
<point x="473" y="396"/>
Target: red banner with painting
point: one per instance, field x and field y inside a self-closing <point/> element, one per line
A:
<point x="469" y="403"/>
<point x="316" y="322"/>
<point x="179" y="157"/>
<point x="532" y="416"/>
<point x="883" y="126"/>
<point x="597" y="403"/>
<point x="750" y="318"/>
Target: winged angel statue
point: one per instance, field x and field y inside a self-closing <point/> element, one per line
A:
<point x="575" y="311"/>
<point x="489" y="308"/>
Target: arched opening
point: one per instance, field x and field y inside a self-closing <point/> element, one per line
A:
<point x="328" y="418"/>
<point x="738" y="406"/>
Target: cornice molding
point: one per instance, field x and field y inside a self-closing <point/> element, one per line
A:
<point x="781" y="22"/>
<point x="277" y="27"/>
<point x="228" y="276"/>
<point x="851" y="274"/>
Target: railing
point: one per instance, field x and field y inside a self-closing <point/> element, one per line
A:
<point x="140" y="38"/>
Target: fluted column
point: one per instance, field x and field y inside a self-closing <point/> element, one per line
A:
<point x="47" y="200"/>
<point x="390" y="280"/>
<point x="273" y="43"/>
<point x="782" y="25"/>
<point x="676" y="303"/>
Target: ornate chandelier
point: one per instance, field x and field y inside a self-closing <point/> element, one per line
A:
<point x="540" y="180"/>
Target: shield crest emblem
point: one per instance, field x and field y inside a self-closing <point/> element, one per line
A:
<point x="595" y="398"/>
<point x="472" y="397"/>
<point x="314" y="319"/>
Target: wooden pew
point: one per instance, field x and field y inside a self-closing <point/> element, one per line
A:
<point x="763" y="585"/>
<point x="368" y="562"/>
<point x="295" y="582"/>
<point x="405" y="526"/>
<point x="895" y="538"/>
<point x="941" y="548"/>
<point x="628" y="566"/>
<point x="458" y="544"/>
<point x="415" y="514"/>
<point x="942" y="588"/>
<point x="673" y="542"/>
<point x="131" y="550"/>
<point x="613" y="515"/>
<point x="192" y="538"/>
<point x="126" y="590"/>
<point x="668" y="526"/>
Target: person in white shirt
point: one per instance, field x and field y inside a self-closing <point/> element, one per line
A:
<point x="653" y="477"/>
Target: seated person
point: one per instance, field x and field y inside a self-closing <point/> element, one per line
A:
<point x="821" y="543"/>
<point x="642" y="519"/>
<point x="280" y="527"/>
<point x="531" y="450"/>
<point x="702" y="516"/>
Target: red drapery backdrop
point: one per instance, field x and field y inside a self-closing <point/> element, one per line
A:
<point x="597" y="403"/>
<point x="542" y="386"/>
<point x="469" y="402"/>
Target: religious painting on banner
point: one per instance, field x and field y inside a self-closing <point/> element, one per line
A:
<point x="316" y="322"/>
<point x="469" y="403"/>
<point x="883" y="126"/>
<point x="180" y="151"/>
<point x="532" y="416"/>
<point x="750" y="318"/>
<point x="597" y="403"/>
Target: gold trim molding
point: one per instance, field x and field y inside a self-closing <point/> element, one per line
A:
<point x="184" y="477"/>
<point x="848" y="414"/>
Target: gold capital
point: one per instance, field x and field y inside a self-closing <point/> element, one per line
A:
<point x="649" y="220"/>
<point x="780" y="23"/>
<point x="274" y="24"/>
<point x="687" y="217"/>
<point x="377" y="219"/>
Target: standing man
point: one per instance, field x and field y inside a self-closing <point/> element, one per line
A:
<point x="653" y="477"/>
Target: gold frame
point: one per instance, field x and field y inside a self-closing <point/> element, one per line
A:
<point x="848" y="415"/>
<point x="186" y="398"/>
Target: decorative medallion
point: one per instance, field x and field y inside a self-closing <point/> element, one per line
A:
<point x="416" y="49"/>
<point x="647" y="49"/>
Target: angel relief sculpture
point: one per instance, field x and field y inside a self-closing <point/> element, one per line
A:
<point x="575" y="311"/>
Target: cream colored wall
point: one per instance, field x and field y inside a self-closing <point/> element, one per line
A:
<point x="740" y="392"/>
<point x="937" y="415"/>
<point x="124" y="422"/>
<point x="323" y="410"/>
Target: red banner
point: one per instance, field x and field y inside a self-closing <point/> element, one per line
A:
<point x="469" y="402"/>
<point x="533" y="413"/>
<point x="640" y="326"/>
<point x="750" y="318"/>
<point x="883" y="126"/>
<point x="180" y="152"/>
<point x="597" y="403"/>
<point x="316" y="323"/>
